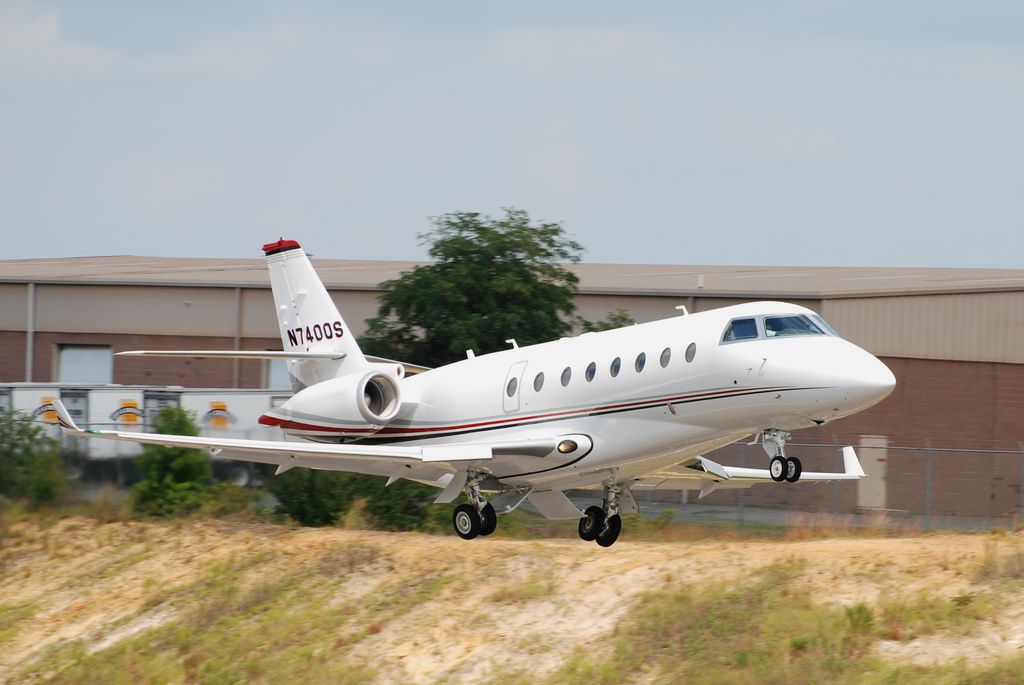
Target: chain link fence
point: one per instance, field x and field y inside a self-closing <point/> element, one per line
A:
<point x="926" y="488"/>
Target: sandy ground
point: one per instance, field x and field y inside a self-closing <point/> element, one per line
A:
<point x="90" y="582"/>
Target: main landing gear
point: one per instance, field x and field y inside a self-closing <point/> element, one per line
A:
<point x="603" y="524"/>
<point x="781" y="468"/>
<point x="477" y="517"/>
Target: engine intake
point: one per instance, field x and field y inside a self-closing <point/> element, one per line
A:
<point x="379" y="398"/>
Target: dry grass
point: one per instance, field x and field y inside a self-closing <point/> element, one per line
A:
<point x="87" y="600"/>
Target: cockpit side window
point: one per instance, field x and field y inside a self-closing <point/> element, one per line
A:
<point x="792" y="324"/>
<point x="740" y="329"/>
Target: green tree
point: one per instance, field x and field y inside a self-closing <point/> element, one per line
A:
<point x="176" y="480"/>
<point x="30" y="463"/>
<point x="616" y="319"/>
<point x="491" y="280"/>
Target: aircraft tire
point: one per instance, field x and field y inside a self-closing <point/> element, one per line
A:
<point x="610" y="533"/>
<point x="489" y="520"/>
<point x="778" y="468"/>
<point x="793" y="470"/>
<point x="591" y="523"/>
<point x="466" y="521"/>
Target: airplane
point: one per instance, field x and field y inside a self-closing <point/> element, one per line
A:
<point x="621" y="411"/>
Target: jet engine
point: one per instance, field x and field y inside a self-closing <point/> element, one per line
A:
<point x="371" y="396"/>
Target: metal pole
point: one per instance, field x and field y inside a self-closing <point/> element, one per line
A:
<point x="1020" y="482"/>
<point x="235" y="364"/>
<point x="928" y="486"/>
<point x="743" y="491"/>
<point x="30" y="331"/>
<point x="835" y="483"/>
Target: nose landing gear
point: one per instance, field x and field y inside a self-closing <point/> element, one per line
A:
<point x="781" y="468"/>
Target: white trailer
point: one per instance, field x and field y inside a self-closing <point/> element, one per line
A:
<point x="230" y="412"/>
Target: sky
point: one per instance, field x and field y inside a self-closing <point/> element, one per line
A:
<point x="801" y="132"/>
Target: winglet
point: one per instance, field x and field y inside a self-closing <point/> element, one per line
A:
<point x="851" y="464"/>
<point x="64" y="418"/>
<point x="714" y="468"/>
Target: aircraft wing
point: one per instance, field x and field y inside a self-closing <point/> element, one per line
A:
<point x="427" y="462"/>
<point x="707" y="476"/>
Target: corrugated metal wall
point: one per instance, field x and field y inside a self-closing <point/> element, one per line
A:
<point x="961" y="327"/>
<point x="964" y="327"/>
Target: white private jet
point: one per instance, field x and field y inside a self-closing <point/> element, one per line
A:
<point x="620" y="410"/>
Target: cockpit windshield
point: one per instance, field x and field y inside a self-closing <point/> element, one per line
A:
<point x="792" y="324"/>
<point x="777" y="326"/>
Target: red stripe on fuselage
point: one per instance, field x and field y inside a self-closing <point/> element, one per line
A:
<point x="287" y="424"/>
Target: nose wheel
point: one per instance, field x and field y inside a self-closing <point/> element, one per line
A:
<point x="793" y="469"/>
<point x="781" y="468"/>
<point x="786" y="469"/>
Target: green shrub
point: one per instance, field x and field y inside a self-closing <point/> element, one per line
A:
<point x="321" y="498"/>
<point x="176" y="480"/>
<point x="313" y="498"/>
<point x="861" y="617"/>
<point x="30" y="463"/>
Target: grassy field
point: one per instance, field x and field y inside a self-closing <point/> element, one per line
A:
<point x="92" y="600"/>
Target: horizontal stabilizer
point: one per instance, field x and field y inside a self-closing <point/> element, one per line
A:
<point x="232" y="354"/>
<point x="410" y="369"/>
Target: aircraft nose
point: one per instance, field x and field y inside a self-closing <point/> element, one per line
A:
<point x="869" y="380"/>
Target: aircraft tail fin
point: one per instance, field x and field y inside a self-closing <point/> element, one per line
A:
<point x="308" y="319"/>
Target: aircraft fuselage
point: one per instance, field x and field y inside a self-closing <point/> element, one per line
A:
<point x="655" y="405"/>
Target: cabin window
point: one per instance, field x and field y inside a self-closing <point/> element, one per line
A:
<point x="538" y="381"/>
<point x="510" y="389"/>
<point x="591" y="371"/>
<point x="691" y="352"/>
<point x="616" y="365"/>
<point x="641" y="359"/>
<point x="794" y="324"/>
<point x="740" y="329"/>
<point x="666" y="356"/>
<point x="566" y="376"/>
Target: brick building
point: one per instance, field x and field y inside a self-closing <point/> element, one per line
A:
<point x="953" y="337"/>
